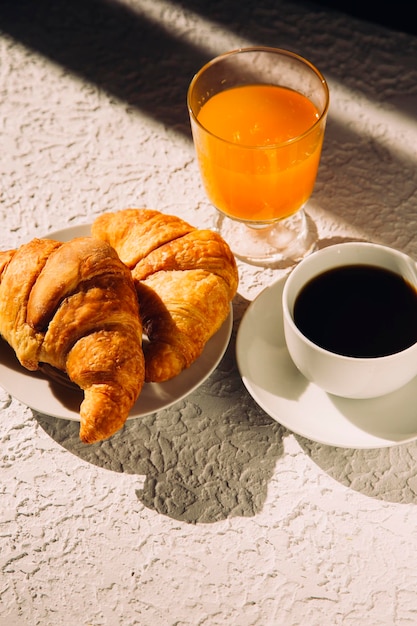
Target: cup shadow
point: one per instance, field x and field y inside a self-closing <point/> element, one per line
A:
<point x="386" y="474"/>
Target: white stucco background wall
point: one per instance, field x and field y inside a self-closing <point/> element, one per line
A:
<point x="209" y="513"/>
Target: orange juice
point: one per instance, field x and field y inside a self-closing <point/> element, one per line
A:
<point x="260" y="156"/>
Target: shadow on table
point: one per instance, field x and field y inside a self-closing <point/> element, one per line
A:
<point x="387" y="474"/>
<point x="207" y="458"/>
<point x="133" y="55"/>
<point x="140" y="58"/>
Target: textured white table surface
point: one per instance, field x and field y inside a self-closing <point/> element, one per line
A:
<point x="209" y="513"/>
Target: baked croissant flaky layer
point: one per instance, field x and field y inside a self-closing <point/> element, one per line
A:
<point x="185" y="279"/>
<point x="73" y="306"/>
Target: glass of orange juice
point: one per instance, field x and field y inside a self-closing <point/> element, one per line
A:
<point x="258" y="117"/>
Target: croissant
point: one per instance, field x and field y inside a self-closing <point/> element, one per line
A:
<point x="73" y="306"/>
<point x="185" y="280"/>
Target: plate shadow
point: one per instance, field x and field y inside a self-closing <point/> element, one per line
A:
<point x="206" y="458"/>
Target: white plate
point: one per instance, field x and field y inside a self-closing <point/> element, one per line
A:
<point x="45" y="396"/>
<point x="282" y="391"/>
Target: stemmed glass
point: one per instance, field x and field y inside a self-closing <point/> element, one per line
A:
<point x="258" y="117"/>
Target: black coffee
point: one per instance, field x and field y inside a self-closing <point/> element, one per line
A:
<point x="358" y="311"/>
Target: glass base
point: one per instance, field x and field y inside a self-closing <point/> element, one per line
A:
<point x="280" y="244"/>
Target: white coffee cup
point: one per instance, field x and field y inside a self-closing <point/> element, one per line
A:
<point x="348" y="376"/>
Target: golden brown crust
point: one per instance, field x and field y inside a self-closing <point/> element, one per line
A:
<point x="124" y="229"/>
<point x="185" y="280"/>
<point x="198" y="249"/>
<point x="180" y="312"/>
<point x="74" y="306"/>
<point x="17" y="281"/>
<point x="73" y="263"/>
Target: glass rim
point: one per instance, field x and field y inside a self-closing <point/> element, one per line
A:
<point x="271" y="50"/>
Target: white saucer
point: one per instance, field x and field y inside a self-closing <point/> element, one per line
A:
<point x="282" y="391"/>
<point x="50" y="398"/>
